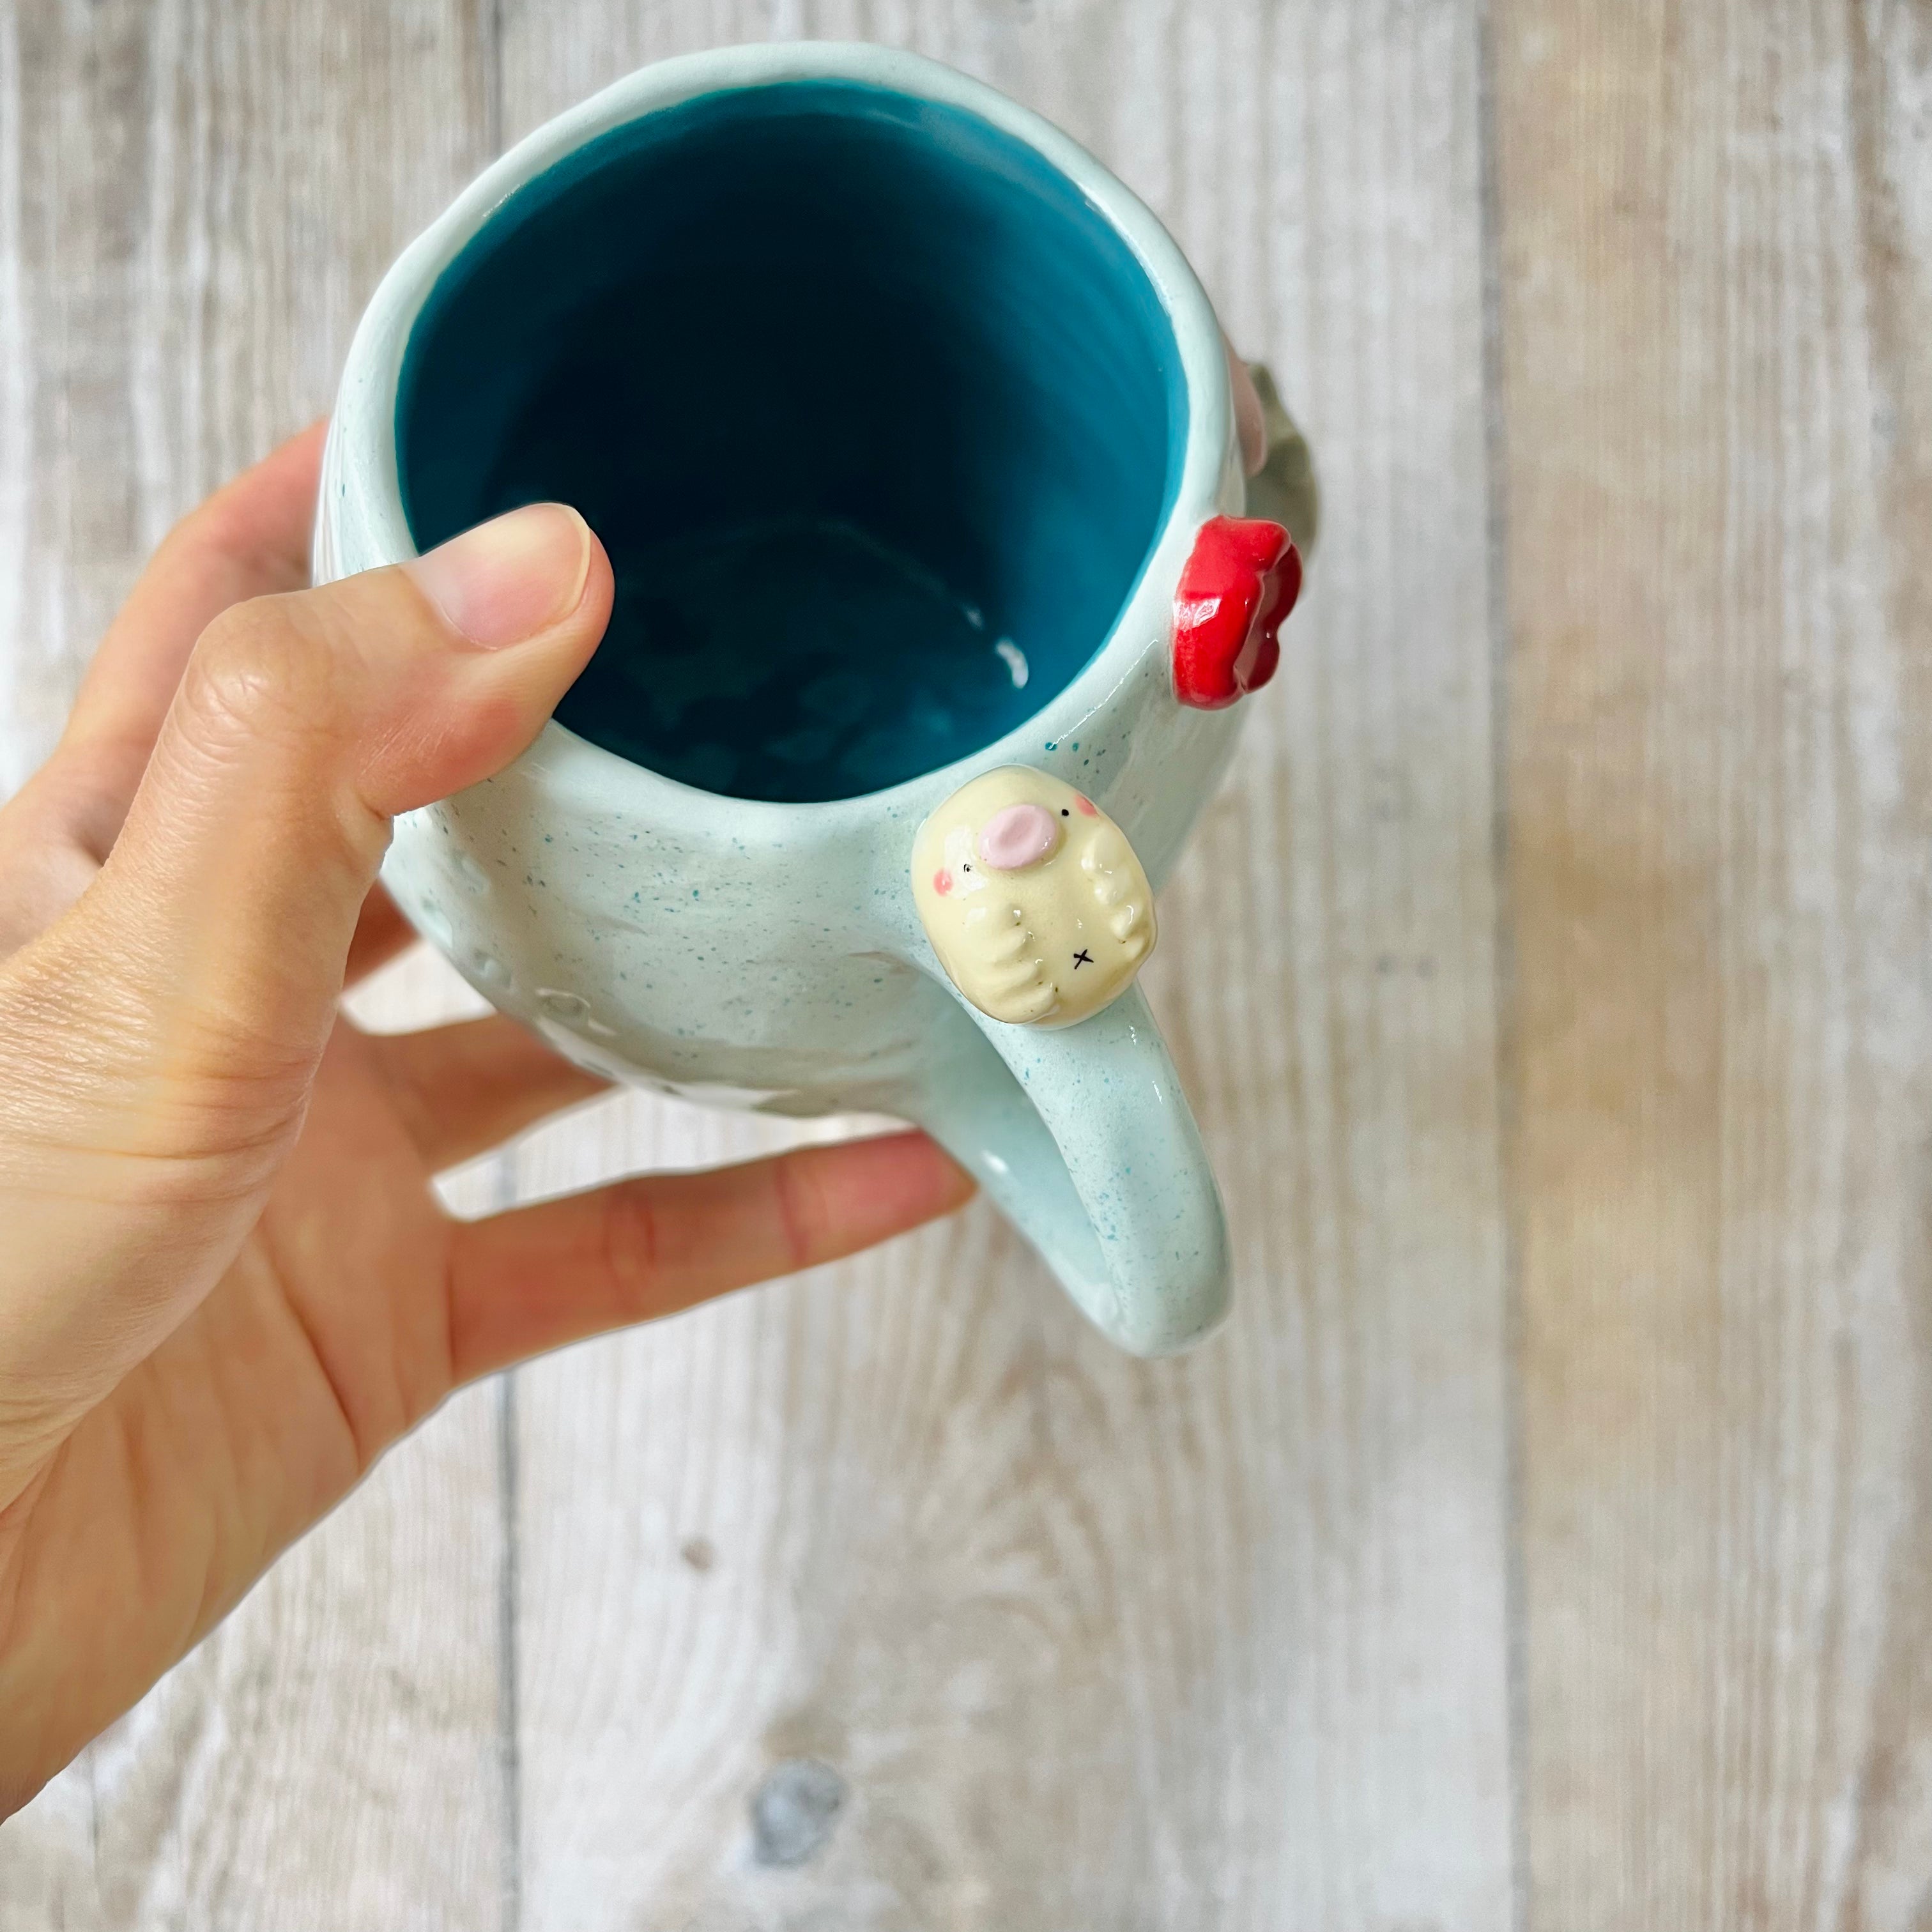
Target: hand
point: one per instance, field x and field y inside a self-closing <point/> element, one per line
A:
<point x="225" y="1286"/>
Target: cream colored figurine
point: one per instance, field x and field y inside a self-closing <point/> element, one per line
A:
<point x="1033" y="898"/>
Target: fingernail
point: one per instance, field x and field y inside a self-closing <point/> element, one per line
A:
<point x="510" y="578"/>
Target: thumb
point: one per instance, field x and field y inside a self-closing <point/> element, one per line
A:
<point x="303" y="723"/>
<point x="158" y="1041"/>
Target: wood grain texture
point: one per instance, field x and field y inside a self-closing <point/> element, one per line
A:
<point x="1213" y="1643"/>
<point x="197" y="200"/>
<point x="1220" y="1642"/>
<point x="1714" y="251"/>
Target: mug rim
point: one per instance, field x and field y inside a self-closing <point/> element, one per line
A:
<point x="571" y="770"/>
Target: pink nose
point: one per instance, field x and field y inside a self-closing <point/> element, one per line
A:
<point x="1019" y="836"/>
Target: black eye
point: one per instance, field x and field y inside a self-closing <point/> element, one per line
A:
<point x="965" y="868"/>
<point x="1064" y="813"/>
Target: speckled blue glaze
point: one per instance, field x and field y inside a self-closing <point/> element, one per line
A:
<point x="764" y="953"/>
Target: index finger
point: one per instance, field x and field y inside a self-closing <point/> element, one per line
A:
<point x="250" y="538"/>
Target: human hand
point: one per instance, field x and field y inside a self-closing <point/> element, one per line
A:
<point x="226" y="1286"/>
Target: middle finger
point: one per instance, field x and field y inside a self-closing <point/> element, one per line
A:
<point x="463" y="1089"/>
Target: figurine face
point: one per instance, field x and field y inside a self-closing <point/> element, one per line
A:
<point x="1033" y="898"/>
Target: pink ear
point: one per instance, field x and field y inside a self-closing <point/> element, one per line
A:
<point x="1019" y="836"/>
<point x="1239" y="582"/>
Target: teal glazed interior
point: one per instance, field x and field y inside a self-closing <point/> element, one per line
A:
<point x="878" y="417"/>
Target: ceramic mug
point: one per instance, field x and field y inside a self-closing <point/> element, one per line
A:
<point x="910" y="435"/>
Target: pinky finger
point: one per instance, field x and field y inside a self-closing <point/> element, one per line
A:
<point x="540" y="1277"/>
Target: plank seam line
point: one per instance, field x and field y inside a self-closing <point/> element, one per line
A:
<point x="1496" y="555"/>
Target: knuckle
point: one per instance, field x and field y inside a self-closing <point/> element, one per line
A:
<point x="804" y="1217"/>
<point x="231" y="527"/>
<point x="231" y="524"/>
<point x="266" y="665"/>
<point x="631" y="1234"/>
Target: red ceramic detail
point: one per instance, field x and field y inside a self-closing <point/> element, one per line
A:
<point x="1088" y="809"/>
<point x="942" y="882"/>
<point x="1241" y="580"/>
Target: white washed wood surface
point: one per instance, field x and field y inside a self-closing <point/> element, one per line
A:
<point x="1716" y="374"/>
<point x="1548" y="1545"/>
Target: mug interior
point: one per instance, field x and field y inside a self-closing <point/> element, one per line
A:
<point x="877" y="415"/>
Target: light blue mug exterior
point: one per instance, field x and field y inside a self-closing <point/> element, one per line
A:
<point x="768" y="955"/>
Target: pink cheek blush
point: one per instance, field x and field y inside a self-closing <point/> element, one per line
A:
<point x="1020" y="836"/>
<point x="942" y="882"/>
<point x="1088" y="809"/>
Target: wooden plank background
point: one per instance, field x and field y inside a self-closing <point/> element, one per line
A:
<point x="1550" y="1544"/>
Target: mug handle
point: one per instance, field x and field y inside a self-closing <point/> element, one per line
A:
<point x="1083" y="1139"/>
